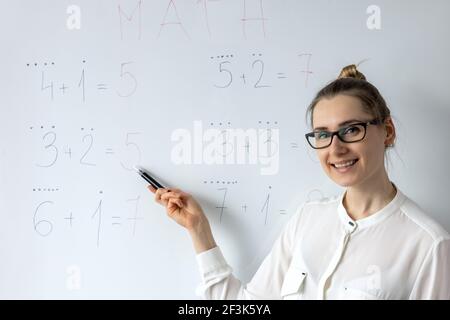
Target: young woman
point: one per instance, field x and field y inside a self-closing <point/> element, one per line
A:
<point x="372" y="242"/>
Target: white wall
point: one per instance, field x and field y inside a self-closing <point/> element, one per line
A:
<point x="142" y="80"/>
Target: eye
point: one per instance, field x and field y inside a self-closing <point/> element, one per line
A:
<point x="322" y="135"/>
<point x="351" y="130"/>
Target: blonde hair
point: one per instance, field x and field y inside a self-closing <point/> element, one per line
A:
<point x="351" y="71"/>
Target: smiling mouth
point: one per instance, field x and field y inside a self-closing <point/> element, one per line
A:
<point x="344" y="165"/>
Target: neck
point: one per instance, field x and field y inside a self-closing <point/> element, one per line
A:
<point x="369" y="197"/>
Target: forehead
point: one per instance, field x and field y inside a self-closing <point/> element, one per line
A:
<point x="329" y="113"/>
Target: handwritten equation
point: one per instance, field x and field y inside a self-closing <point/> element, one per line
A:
<point x="49" y="150"/>
<point x="82" y="84"/>
<point x="255" y="74"/>
<point x="264" y="208"/>
<point x="48" y="213"/>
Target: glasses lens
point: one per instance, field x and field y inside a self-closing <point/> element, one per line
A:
<point x="320" y="139"/>
<point x="352" y="133"/>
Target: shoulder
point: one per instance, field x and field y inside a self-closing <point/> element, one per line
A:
<point x="324" y="207"/>
<point x="321" y="206"/>
<point x="422" y="222"/>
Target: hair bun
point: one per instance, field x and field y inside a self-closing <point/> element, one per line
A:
<point x="350" y="71"/>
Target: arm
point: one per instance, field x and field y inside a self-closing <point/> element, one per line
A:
<point x="218" y="281"/>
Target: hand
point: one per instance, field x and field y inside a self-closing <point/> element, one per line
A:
<point x="181" y="207"/>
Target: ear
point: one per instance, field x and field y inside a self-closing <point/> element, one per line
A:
<point x="390" y="132"/>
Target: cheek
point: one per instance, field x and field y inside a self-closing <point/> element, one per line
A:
<point x="373" y="154"/>
<point x="323" y="158"/>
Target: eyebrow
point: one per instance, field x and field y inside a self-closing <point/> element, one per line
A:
<point x="340" y="124"/>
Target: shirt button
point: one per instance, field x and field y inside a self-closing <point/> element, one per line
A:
<point x="351" y="223"/>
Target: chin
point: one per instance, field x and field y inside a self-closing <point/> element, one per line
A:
<point x="344" y="181"/>
<point x="343" y="184"/>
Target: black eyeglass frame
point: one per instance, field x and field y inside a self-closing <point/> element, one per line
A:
<point x="336" y="133"/>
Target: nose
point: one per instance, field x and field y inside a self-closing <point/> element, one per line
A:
<point x="337" y="146"/>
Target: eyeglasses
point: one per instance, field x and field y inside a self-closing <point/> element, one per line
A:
<point x="320" y="139"/>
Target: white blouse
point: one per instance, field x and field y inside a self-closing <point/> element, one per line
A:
<point x="395" y="253"/>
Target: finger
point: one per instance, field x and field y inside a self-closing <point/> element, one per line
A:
<point x="172" y="206"/>
<point x="174" y="199"/>
<point x="151" y="188"/>
<point x="165" y="197"/>
<point x="179" y="202"/>
<point x="158" y="193"/>
<point x="179" y="191"/>
<point x="175" y="202"/>
<point x="170" y="195"/>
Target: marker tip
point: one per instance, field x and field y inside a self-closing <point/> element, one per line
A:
<point x="137" y="169"/>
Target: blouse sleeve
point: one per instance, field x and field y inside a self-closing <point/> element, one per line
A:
<point x="433" y="280"/>
<point x="218" y="281"/>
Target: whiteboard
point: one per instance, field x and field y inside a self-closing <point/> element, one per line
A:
<point x="92" y="88"/>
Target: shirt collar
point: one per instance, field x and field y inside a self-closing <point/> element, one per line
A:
<point x="351" y="225"/>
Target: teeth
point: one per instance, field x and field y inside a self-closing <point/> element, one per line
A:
<point x="345" y="164"/>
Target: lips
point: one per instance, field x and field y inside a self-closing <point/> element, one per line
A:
<point x="344" y="164"/>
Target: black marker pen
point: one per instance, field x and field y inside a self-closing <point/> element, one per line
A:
<point x="155" y="184"/>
